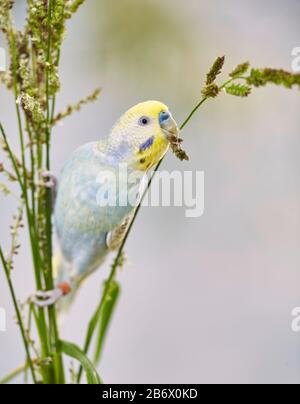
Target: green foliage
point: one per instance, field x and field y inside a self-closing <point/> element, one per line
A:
<point x="14" y="232"/>
<point x="74" y="352"/>
<point x="77" y="107"/>
<point x="240" y="70"/>
<point x="238" y="90"/>
<point x="34" y="81"/>
<point x="215" y="70"/>
<point x="4" y="189"/>
<point x="279" y="77"/>
<point x="7" y="379"/>
<point x="256" y="78"/>
<point x="211" y="90"/>
<point x="5" y="16"/>
<point x="74" y="5"/>
<point x="105" y="318"/>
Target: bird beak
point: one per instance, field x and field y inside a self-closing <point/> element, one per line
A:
<point x="171" y="131"/>
<point x="170" y="128"/>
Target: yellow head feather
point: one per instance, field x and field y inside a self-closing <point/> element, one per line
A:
<point x="141" y="128"/>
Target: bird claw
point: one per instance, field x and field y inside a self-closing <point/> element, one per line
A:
<point x="50" y="180"/>
<point x="45" y="299"/>
<point x="50" y="297"/>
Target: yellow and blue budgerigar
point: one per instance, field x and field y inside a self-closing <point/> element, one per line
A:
<point x="87" y="230"/>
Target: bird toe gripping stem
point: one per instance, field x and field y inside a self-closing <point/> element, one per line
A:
<point x="51" y="297"/>
<point x="50" y="181"/>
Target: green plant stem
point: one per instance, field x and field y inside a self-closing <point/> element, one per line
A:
<point x="54" y="334"/>
<point x="54" y="97"/>
<point x="18" y="314"/>
<point x="194" y="110"/>
<point x="41" y="324"/>
<point x="25" y="184"/>
<point x="94" y="321"/>
<point x="12" y="158"/>
<point x="32" y="231"/>
<point x="14" y="374"/>
<point x="32" y="174"/>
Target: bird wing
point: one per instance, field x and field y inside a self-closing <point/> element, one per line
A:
<point x="81" y="224"/>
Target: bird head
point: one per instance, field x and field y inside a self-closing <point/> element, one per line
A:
<point x="144" y="132"/>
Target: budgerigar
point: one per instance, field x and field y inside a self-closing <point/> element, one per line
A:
<point x="87" y="229"/>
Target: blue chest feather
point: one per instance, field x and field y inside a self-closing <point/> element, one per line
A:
<point x="147" y="144"/>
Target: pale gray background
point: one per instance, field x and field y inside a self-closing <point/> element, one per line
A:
<point x="209" y="299"/>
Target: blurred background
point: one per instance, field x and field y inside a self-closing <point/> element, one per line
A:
<point x="205" y="300"/>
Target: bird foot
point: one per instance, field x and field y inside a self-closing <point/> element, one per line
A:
<point x="51" y="297"/>
<point x="49" y="180"/>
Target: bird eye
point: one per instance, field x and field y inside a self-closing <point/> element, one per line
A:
<point x="143" y="121"/>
